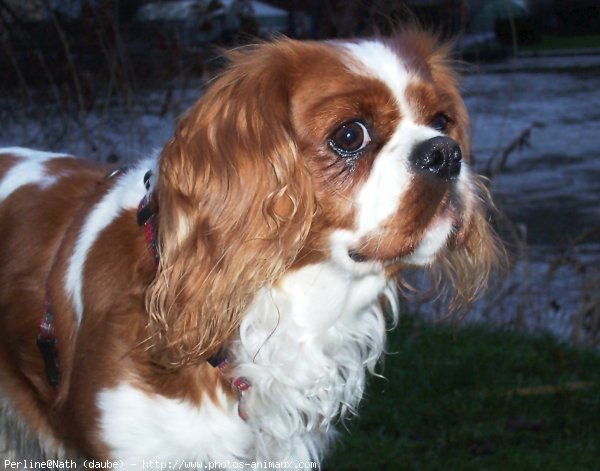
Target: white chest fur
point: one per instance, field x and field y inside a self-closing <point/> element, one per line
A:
<point x="304" y="345"/>
<point x="139" y="426"/>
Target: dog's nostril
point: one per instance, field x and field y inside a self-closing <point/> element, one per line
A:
<point x="434" y="161"/>
<point x="440" y="156"/>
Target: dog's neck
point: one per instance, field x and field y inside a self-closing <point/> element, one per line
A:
<point x="305" y="345"/>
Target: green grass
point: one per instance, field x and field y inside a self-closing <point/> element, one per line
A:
<point x="550" y="43"/>
<point x="458" y="399"/>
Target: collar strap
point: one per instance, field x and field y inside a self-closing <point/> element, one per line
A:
<point x="146" y="218"/>
<point x="240" y="385"/>
<point x="218" y="360"/>
<point x="46" y="342"/>
<point x="46" y="338"/>
<point x="116" y="172"/>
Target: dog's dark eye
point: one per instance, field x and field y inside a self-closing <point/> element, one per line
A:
<point x="350" y="139"/>
<point x="440" y="122"/>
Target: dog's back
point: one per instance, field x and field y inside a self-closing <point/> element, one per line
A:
<point x="35" y="213"/>
<point x="53" y="210"/>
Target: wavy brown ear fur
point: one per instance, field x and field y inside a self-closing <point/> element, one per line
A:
<point x="235" y="207"/>
<point x="466" y="266"/>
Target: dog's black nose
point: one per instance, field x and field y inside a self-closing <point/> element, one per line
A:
<point x="439" y="156"/>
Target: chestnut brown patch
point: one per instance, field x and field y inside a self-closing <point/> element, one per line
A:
<point x="7" y="161"/>
<point x="400" y="234"/>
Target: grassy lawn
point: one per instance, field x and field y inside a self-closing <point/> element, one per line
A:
<point x="474" y="398"/>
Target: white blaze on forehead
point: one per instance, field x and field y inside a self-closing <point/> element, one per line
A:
<point x="378" y="199"/>
<point x="390" y="176"/>
<point x="377" y="60"/>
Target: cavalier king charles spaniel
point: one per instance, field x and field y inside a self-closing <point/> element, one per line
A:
<point x="222" y="300"/>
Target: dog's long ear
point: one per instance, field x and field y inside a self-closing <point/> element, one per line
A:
<point x="235" y="206"/>
<point x="466" y="266"/>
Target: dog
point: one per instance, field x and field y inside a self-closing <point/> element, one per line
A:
<point x="222" y="300"/>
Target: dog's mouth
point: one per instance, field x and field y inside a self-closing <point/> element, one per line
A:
<point x="394" y="248"/>
<point x="391" y="263"/>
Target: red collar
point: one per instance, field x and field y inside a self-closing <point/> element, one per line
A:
<point x="46" y="342"/>
<point x="240" y="384"/>
<point x="146" y="217"/>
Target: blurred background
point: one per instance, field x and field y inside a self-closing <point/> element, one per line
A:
<point x="106" y="79"/>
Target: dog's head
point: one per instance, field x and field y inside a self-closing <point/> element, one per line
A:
<point x="355" y="153"/>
